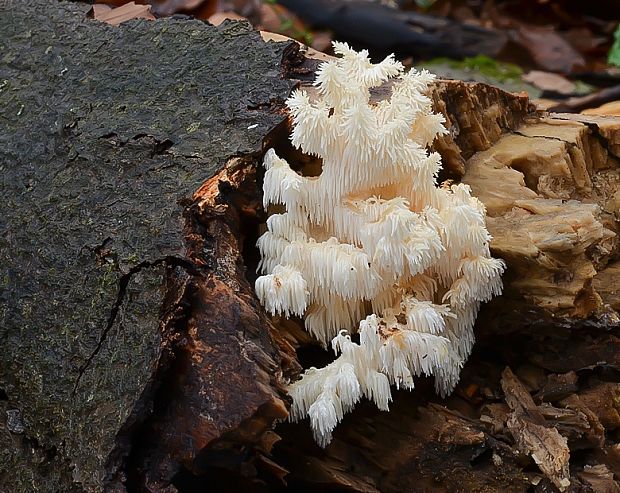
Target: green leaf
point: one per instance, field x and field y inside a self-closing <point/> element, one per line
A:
<point x="613" y="58"/>
<point x="425" y="4"/>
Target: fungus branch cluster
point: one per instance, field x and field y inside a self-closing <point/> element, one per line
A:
<point x="372" y="244"/>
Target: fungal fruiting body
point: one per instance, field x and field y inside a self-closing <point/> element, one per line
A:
<point x="372" y="245"/>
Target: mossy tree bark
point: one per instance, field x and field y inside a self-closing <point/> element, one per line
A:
<point x="127" y="329"/>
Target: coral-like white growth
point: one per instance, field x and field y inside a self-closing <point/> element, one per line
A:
<point x="373" y="242"/>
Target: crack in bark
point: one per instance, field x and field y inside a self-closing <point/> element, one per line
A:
<point x="571" y="144"/>
<point x="594" y="131"/>
<point x="141" y="449"/>
<point x="122" y="291"/>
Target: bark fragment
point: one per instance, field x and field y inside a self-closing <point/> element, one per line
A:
<point x="526" y="424"/>
<point x="109" y="133"/>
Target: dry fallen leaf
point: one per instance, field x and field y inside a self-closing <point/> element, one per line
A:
<point x="99" y="9"/>
<point x="322" y="40"/>
<point x="608" y="109"/>
<point x="219" y="17"/>
<point x="278" y="19"/>
<point x="307" y="51"/>
<point x="548" y="49"/>
<point x="115" y="16"/>
<point x="548" y="81"/>
<point x="201" y="9"/>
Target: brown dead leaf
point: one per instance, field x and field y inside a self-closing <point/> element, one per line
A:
<point x="276" y="18"/>
<point x="219" y="17"/>
<point x="548" y="49"/>
<point x="307" y="51"/>
<point x="119" y="3"/>
<point x="322" y="40"/>
<point x="548" y="81"/>
<point x="584" y="41"/>
<point x="201" y="9"/>
<point x="99" y="9"/>
<point x="116" y="16"/>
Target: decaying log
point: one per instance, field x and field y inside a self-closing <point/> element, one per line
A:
<point x="130" y="338"/>
<point x="477" y="115"/>
<point x="135" y="354"/>
<point x="550" y="184"/>
<point x="550" y="190"/>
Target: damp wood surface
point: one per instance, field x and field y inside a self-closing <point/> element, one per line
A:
<point x="532" y="409"/>
<point x="135" y="356"/>
<point x="107" y="134"/>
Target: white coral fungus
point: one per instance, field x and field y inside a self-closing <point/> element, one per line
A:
<point x="373" y="233"/>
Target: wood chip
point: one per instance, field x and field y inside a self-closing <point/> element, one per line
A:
<point x="595" y="433"/>
<point x="557" y="387"/>
<point x="600" y="478"/>
<point x="532" y="435"/>
<point x="603" y="399"/>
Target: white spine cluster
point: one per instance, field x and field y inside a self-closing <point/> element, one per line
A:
<point x="373" y="233"/>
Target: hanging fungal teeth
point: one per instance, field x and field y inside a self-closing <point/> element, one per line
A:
<point x="373" y="230"/>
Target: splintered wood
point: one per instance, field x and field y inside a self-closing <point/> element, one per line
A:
<point x="532" y="435"/>
<point x="551" y="189"/>
<point x="537" y="408"/>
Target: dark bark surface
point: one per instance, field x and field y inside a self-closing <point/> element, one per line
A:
<point x="107" y="132"/>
